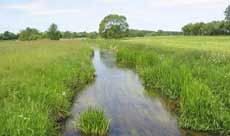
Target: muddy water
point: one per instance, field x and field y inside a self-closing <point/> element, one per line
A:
<point x="120" y="93"/>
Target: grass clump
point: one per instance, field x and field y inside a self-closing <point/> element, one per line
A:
<point x="93" y="122"/>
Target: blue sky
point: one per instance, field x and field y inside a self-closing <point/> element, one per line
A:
<point x="85" y="15"/>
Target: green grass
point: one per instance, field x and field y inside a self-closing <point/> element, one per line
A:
<point x="38" y="82"/>
<point x="93" y="122"/>
<point x="192" y="71"/>
<point x="205" y="43"/>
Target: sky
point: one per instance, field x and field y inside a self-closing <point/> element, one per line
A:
<point x="85" y="15"/>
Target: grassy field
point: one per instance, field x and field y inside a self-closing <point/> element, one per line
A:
<point x="206" y="43"/>
<point x="38" y="81"/>
<point x="194" y="72"/>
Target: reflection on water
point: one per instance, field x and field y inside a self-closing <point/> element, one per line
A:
<point x="120" y="93"/>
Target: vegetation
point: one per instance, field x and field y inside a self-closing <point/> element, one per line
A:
<point x="38" y="81"/>
<point x="93" y="122"/>
<point x="29" y="34"/>
<point x="144" y="33"/>
<point x="196" y="78"/>
<point x="53" y="32"/>
<point x="212" y="28"/>
<point x="8" y="36"/>
<point x="114" y="26"/>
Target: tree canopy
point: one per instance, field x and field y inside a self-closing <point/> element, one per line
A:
<point x="227" y="13"/>
<point x="53" y="32"/>
<point x="114" y="26"/>
<point x="211" y="28"/>
<point x="29" y="34"/>
<point x="8" y="36"/>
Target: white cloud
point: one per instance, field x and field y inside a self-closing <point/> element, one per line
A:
<point x="56" y="12"/>
<point x="189" y="3"/>
<point x="86" y="15"/>
<point x="40" y="8"/>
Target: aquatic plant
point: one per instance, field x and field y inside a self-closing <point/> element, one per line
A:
<point x="93" y="122"/>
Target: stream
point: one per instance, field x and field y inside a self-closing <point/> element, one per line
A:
<point x="120" y="93"/>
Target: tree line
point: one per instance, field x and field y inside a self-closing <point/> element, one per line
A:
<point x="212" y="28"/>
<point x="146" y="33"/>
<point x="52" y="33"/>
<point x="116" y="26"/>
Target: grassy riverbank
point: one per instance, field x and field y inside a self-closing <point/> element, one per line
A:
<point x="38" y="81"/>
<point x="192" y="71"/>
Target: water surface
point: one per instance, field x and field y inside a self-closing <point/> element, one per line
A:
<point x="120" y="93"/>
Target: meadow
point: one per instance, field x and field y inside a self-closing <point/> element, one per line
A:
<point x="193" y="72"/>
<point x="38" y="82"/>
<point x="40" y="78"/>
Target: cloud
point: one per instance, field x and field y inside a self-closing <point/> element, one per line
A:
<point x="56" y="12"/>
<point x="189" y="3"/>
<point x="39" y="8"/>
<point x="86" y="15"/>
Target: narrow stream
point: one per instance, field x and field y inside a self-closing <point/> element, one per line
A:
<point x="121" y="95"/>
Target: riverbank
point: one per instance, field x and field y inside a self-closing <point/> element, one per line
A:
<point x="195" y="78"/>
<point x="38" y="82"/>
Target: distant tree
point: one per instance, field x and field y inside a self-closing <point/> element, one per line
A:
<point x="114" y="26"/>
<point x="8" y="36"/>
<point x="53" y="32"/>
<point x="81" y="34"/>
<point x="92" y="35"/>
<point x="211" y="28"/>
<point x="227" y="13"/>
<point x="29" y="34"/>
<point x="67" y="35"/>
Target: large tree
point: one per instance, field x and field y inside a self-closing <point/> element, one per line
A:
<point x="53" y="32"/>
<point x="114" y="26"/>
<point x="227" y="13"/>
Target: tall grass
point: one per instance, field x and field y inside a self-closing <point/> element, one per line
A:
<point x="93" y="122"/>
<point x="196" y="78"/>
<point x="38" y="81"/>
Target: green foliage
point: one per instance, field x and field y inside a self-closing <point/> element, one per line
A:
<point x="8" y="36"/>
<point x="71" y="35"/>
<point x="29" y="34"/>
<point x="38" y="81"/>
<point x="227" y="13"/>
<point x="196" y="78"/>
<point x="53" y="32"/>
<point x="92" y="35"/>
<point x="144" y="33"/>
<point x="114" y="26"/>
<point x="67" y="35"/>
<point x="93" y="122"/>
<point x="212" y="28"/>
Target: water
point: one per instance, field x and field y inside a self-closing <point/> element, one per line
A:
<point x="120" y="93"/>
